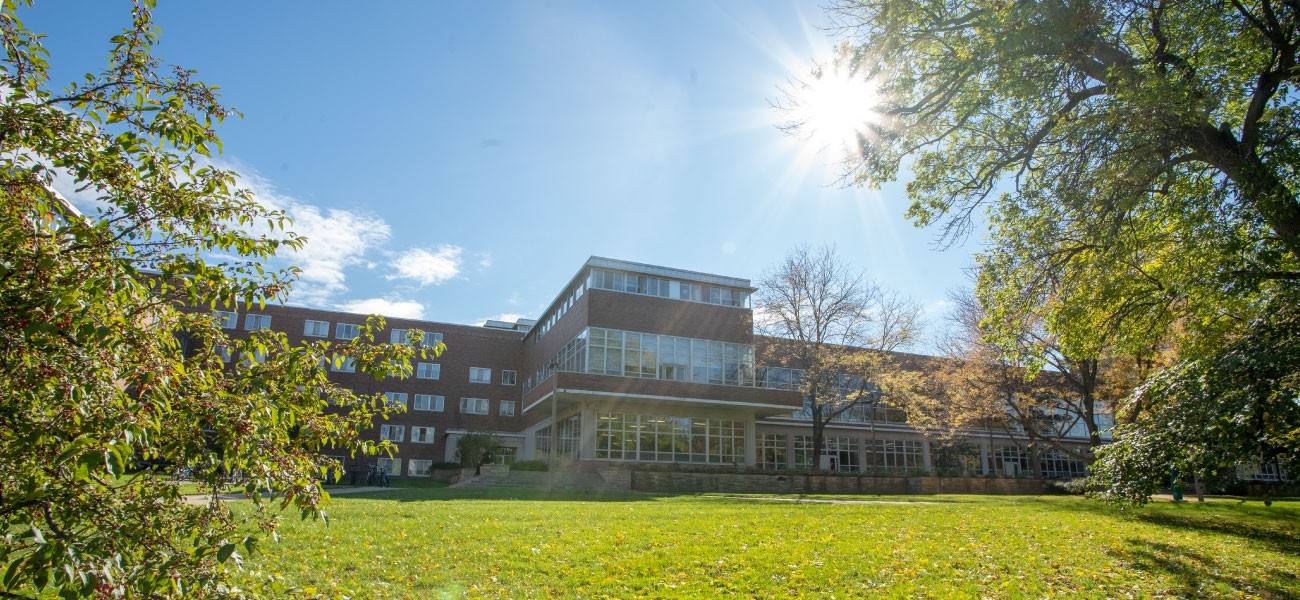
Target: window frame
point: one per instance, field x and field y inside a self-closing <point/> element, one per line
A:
<point x="483" y="402"/>
<point x="308" y="330"/>
<point x="420" y="370"/>
<point x="480" y="375"/>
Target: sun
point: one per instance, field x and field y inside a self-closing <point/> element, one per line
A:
<point x="834" y="109"/>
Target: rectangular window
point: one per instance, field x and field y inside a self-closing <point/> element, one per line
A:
<point x="507" y="408"/>
<point x="428" y="402"/>
<point x="346" y="331"/>
<point x="771" y="451"/>
<point x="227" y="319"/>
<point x="508" y="377"/>
<point x="422" y="435"/>
<point x="396" y="399"/>
<point x="401" y="336"/>
<point x="392" y="466"/>
<point x="428" y="370"/>
<point x="344" y="364"/>
<point x="316" y="328"/>
<point x="419" y="468"/>
<point x="224" y="352"/>
<point x="474" y="406"/>
<point x="392" y="433"/>
<point x="254" y="322"/>
<point x="480" y="375"/>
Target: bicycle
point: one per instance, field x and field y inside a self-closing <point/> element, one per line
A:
<point x="378" y="476"/>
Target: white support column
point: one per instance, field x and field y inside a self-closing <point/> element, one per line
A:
<point x="587" y="442"/>
<point x="925" y="454"/>
<point x="986" y="467"/>
<point x="751" y="442"/>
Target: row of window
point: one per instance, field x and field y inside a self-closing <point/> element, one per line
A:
<point x="436" y="403"/>
<point x="667" y="288"/>
<point x="312" y="328"/>
<point x="669" y="439"/>
<point x="433" y="371"/>
<point x="653" y="356"/>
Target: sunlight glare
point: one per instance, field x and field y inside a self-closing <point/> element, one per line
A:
<point x="835" y="108"/>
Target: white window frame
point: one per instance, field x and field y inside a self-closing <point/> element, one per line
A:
<point x="346" y="331"/>
<point x="256" y="321"/>
<point x="396" y="398"/>
<point x="436" y="403"/>
<point x="392" y="466"/>
<point x="401" y="336"/>
<point x="423" y="435"/>
<point x="392" y="433"/>
<point x="502" y="410"/>
<point x="346" y="365"/>
<point x="480" y="375"/>
<point x="426" y="370"/>
<point x="509" y="377"/>
<point x="481" y="406"/>
<point x="310" y="329"/>
<point x="226" y="319"/>
<point x="415" y="466"/>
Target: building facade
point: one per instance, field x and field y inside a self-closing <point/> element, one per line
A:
<point x="632" y="363"/>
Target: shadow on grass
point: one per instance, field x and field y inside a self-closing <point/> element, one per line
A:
<point x="1196" y="574"/>
<point x="1276" y="529"/>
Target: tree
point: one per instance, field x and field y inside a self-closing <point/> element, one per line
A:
<point x="839" y="329"/>
<point x="473" y="448"/>
<point x="1236" y="406"/>
<point x="111" y="357"/>
<point x="1136" y="160"/>
<point x="988" y="383"/>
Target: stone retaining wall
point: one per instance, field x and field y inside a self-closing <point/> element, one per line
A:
<point x="673" y="482"/>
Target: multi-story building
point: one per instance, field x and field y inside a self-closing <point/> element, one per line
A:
<point x="632" y="363"/>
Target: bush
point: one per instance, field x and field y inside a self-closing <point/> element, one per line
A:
<point x="530" y="465"/>
<point x="445" y="466"/>
<point x="1076" y="487"/>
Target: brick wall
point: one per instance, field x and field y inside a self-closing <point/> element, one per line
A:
<point x="467" y="346"/>
<point x="677" y="482"/>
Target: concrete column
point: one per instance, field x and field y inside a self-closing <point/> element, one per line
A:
<point x="925" y="454"/>
<point x="986" y="457"/>
<point x="751" y="442"/>
<point x="587" y="443"/>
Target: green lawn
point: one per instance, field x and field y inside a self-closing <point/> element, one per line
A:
<point x="435" y="542"/>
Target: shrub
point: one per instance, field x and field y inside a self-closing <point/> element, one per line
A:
<point x="530" y="465"/>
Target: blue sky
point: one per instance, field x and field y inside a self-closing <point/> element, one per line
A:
<point x="458" y="161"/>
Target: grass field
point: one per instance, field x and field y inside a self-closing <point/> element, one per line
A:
<point x="436" y="542"/>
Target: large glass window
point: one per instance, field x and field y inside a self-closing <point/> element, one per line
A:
<point x="655" y="286"/>
<point x="899" y="455"/>
<point x="771" y="451"/>
<point x="843" y="452"/>
<point x="658" y="438"/>
<point x="651" y="356"/>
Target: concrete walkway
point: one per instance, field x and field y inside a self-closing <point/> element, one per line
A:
<point x="202" y="499"/>
<point x="821" y="500"/>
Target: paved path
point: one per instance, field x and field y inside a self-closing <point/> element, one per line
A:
<point x="201" y="499"/>
<point x="822" y="500"/>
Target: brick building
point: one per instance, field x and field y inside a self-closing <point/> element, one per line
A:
<point x="635" y="363"/>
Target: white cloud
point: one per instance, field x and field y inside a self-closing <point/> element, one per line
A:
<point x="485" y="261"/>
<point x="401" y="309"/>
<point x="427" y="267"/>
<point x="336" y="239"/>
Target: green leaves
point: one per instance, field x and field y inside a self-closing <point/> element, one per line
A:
<point x="114" y="382"/>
